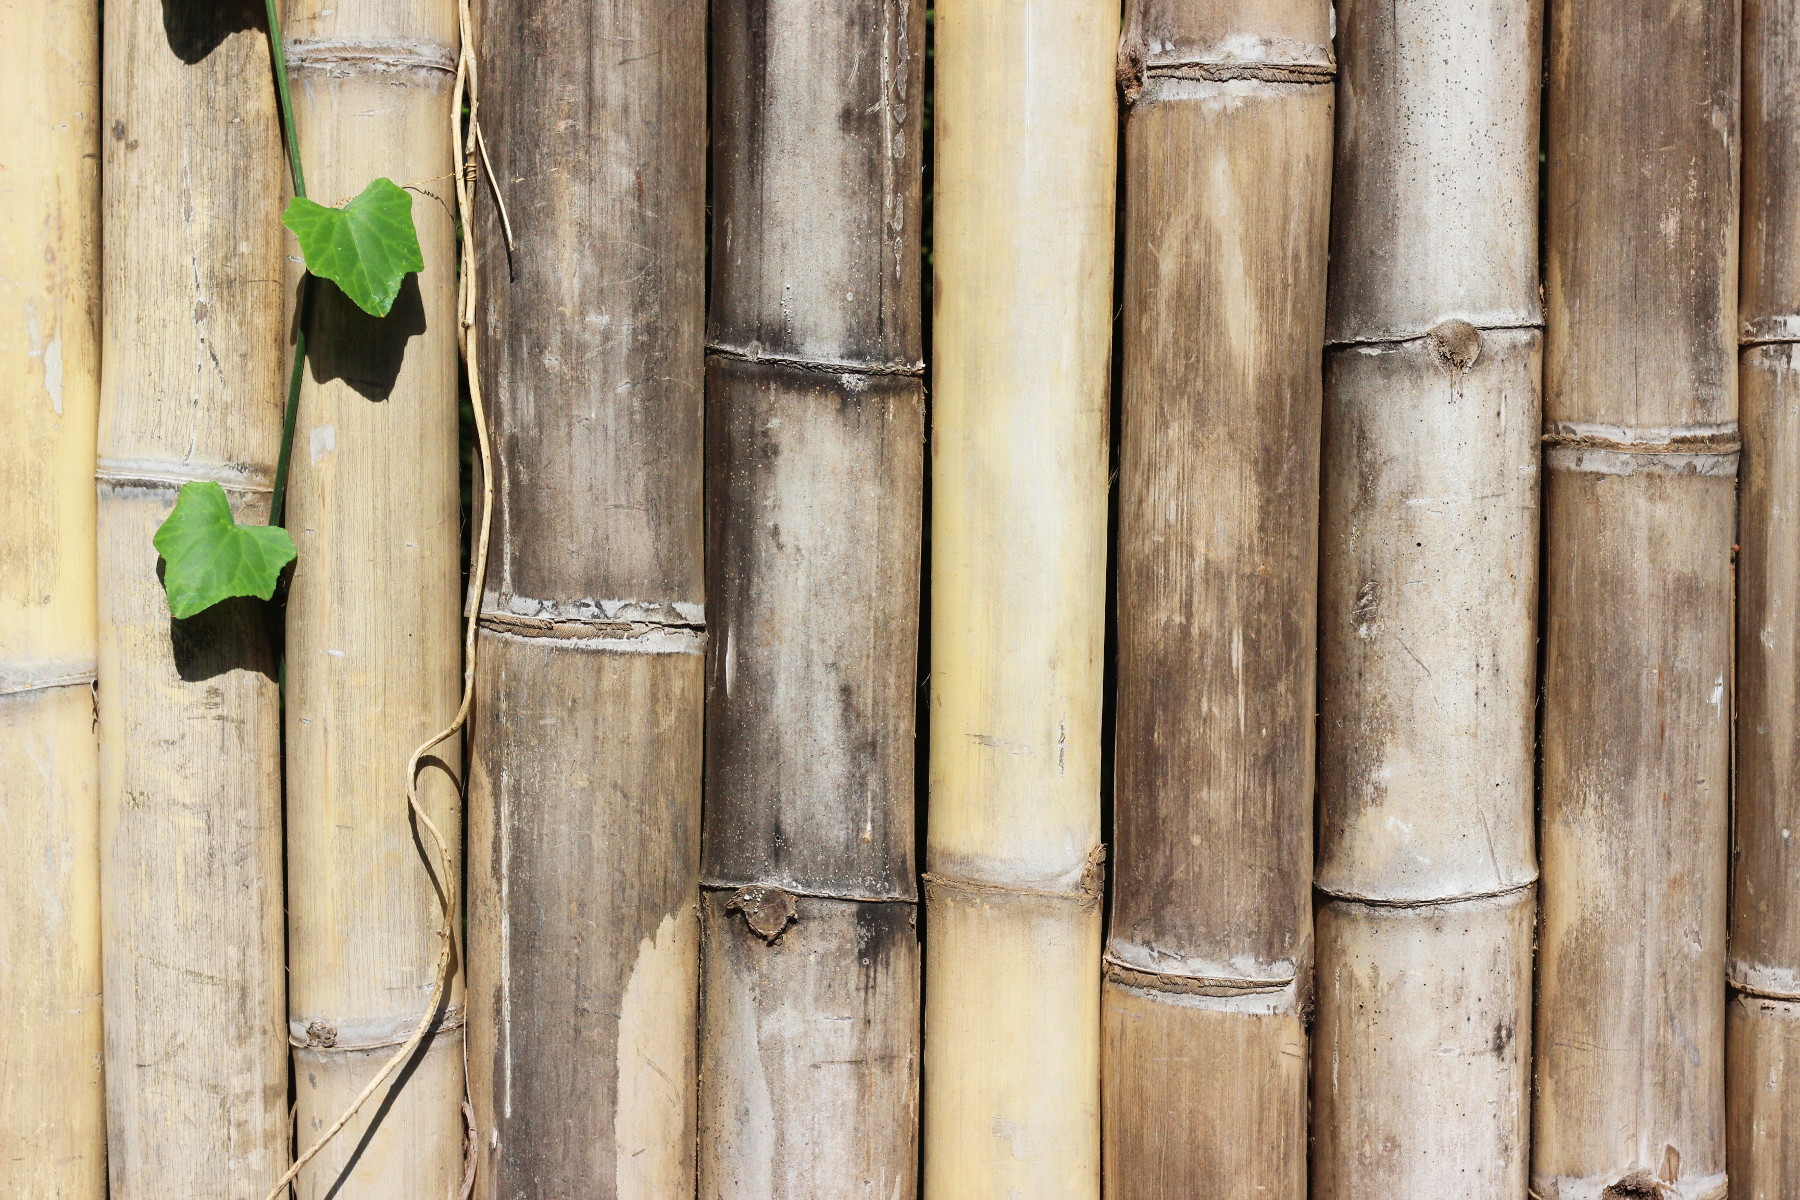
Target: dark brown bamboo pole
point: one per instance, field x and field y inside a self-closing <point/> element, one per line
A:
<point x="1429" y="568"/>
<point x="1640" y="398"/>
<point x="585" y="777"/>
<point x="1763" y="1021"/>
<point x="1208" y="961"/>
<point x="809" y="1039"/>
<point x="192" y="381"/>
<point x="52" y="1104"/>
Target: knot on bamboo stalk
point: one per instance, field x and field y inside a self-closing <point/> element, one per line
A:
<point x="768" y="911"/>
<point x="1456" y="343"/>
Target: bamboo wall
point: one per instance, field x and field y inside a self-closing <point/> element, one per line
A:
<point x="796" y="334"/>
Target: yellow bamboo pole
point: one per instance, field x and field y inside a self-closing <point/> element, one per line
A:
<point x="1763" y="1019"/>
<point x="372" y="647"/>
<point x="52" y="1112"/>
<point x="1025" y="122"/>
<point x="191" y="388"/>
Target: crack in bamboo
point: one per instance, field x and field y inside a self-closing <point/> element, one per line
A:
<point x="1426" y="902"/>
<point x="847" y="897"/>
<point x="341" y="57"/>
<point x="816" y="364"/>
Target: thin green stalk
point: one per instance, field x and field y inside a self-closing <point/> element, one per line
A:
<point x="290" y="413"/>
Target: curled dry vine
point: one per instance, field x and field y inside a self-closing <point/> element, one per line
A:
<point x="366" y="246"/>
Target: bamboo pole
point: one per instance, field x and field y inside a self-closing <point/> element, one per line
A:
<point x="52" y="1109"/>
<point x="1227" y="181"/>
<point x="1763" y="1023"/>
<point x="809" y="1037"/>
<point x="1428" y="595"/>
<point x="587" y="739"/>
<point x="1026" y="152"/>
<point x="191" y="388"/>
<point x="1640" y="405"/>
<point x="372" y="632"/>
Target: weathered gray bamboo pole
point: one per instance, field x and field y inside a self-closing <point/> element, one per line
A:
<point x="190" y="745"/>
<point x="585" y="778"/>
<point x="373" y="656"/>
<point x="1208" y="961"/>
<point x="1763" y="1022"/>
<point x="1026" y="161"/>
<point x="1429" y="566"/>
<point x="809" y="1044"/>
<point x="1640" y="399"/>
<point x="52" y="1108"/>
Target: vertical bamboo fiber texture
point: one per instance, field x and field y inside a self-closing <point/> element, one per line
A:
<point x="1429" y="568"/>
<point x="190" y="744"/>
<point x="809" y="1044"/>
<point x="372" y="649"/>
<point x="52" y="1111"/>
<point x="585" y="777"/>
<point x="1763" y="1018"/>
<point x="1227" y="184"/>
<point x="1026" y="155"/>
<point x="1640" y="404"/>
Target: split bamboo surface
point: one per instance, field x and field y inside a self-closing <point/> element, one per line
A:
<point x="52" y="1110"/>
<point x="190" y="742"/>
<point x="587" y="739"/>
<point x="1026" y="155"/>
<point x="1429" y="569"/>
<point x="809" y="1038"/>
<point x="373" y="662"/>
<point x="1640" y="398"/>
<point x="1763" y="1023"/>
<point x="1227" y="184"/>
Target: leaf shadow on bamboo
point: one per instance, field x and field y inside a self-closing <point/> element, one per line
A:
<point x="366" y="352"/>
<point x="218" y="641"/>
<point x="195" y="28"/>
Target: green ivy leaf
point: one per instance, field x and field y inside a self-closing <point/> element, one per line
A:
<point x="208" y="557"/>
<point x="366" y="247"/>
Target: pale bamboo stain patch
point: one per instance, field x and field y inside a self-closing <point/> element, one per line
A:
<point x="655" y="1059"/>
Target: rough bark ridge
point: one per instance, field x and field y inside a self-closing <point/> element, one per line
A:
<point x="190" y="762"/>
<point x="1227" y="185"/>
<point x="1429" y="565"/>
<point x="1640" y="399"/>
<point x="1026" y="156"/>
<point x="585" y="773"/>
<point x="1763" y="1025"/>
<point x="52" y="1104"/>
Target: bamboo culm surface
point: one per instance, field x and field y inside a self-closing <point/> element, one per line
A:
<point x="1763" y="1017"/>
<point x="52" y="1106"/>
<point x="587" y="739"/>
<point x="1025" y="166"/>
<point x="372" y="631"/>
<point x="190" y="743"/>
<point x="1227" y="180"/>
<point x="1640" y="402"/>
<point x="809" y="1039"/>
<point x="1429" y="568"/>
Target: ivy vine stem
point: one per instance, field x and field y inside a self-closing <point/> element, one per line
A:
<point x="291" y="410"/>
